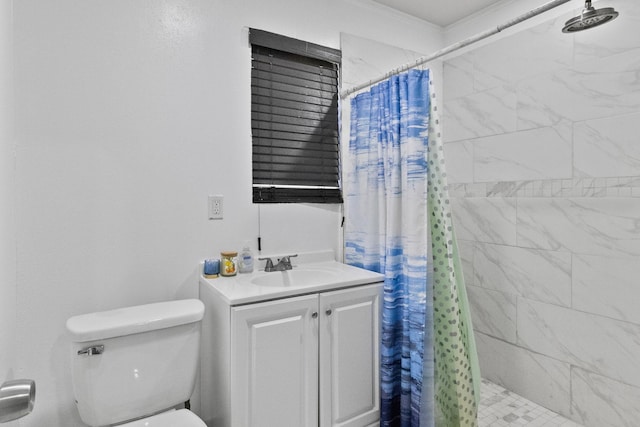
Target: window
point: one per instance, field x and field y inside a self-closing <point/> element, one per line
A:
<point x="294" y="120"/>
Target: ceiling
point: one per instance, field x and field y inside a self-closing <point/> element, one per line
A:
<point x="439" y="12"/>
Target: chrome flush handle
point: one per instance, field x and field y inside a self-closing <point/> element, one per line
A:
<point x="91" y="351"/>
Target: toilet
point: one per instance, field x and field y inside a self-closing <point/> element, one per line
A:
<point x="134" y="366"/>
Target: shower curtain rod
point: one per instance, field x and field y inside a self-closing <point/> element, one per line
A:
<point x="459" y="45"/>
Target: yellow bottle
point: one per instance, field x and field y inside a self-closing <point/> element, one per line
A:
<point x="228" y="263"/>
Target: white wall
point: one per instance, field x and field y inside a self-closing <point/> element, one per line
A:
<point x="7" y="191"/>
<point x="541" y="134"/>
<point x="128" y="114"/>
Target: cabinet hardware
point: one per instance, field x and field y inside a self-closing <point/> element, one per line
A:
<point x="314" y="314"/>
<point x="328" y="312"/>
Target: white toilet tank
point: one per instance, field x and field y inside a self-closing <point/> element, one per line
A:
<point x="135" y="361"/>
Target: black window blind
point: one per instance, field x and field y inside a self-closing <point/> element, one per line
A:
<point x="294" y="120"/>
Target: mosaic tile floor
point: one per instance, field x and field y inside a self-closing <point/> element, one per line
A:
<point x="501" y="408"/>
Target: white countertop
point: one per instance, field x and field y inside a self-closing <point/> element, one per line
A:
<point x="320" y="267"/>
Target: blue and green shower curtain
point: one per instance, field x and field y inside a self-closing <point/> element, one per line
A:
<point x="398" y="222"/>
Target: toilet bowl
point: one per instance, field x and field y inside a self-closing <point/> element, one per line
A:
<point x="133" y="366"/>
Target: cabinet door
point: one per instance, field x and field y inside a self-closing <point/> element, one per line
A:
<point x="274" y="363"/>
<point x="350" y="356"/>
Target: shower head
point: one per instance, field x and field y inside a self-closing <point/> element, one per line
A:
<point x="589" y="18"/>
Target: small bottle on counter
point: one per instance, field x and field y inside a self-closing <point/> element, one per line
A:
<point x="228" y="263"/>
<point x="246" y="259"/>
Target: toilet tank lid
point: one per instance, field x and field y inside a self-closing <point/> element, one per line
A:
<point x="134" y="320"/>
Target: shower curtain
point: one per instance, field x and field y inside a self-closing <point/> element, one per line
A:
<point x="398" y="222"/>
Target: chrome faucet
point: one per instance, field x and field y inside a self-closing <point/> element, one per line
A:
<point x="283" y="264"/>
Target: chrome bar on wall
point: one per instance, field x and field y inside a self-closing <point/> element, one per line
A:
<point x="458" y="45"/>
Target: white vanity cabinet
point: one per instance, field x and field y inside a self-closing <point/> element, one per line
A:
<point x="274" y="363"/>
<point x="298" y="361"/>
<point x="288" y="355"/>
<point x="350" y="356"/>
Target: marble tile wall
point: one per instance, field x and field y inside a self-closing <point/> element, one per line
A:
<point x="543" y="158"/>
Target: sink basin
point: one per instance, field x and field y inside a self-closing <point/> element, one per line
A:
<point x="299" y="278"/>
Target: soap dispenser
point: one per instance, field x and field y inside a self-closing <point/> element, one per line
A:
<point x="246" y="259"/>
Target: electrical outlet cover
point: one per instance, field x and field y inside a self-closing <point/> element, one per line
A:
<point x="215" y="207"/>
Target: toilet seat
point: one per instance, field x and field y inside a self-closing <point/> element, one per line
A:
<point x="181" y="417"/>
